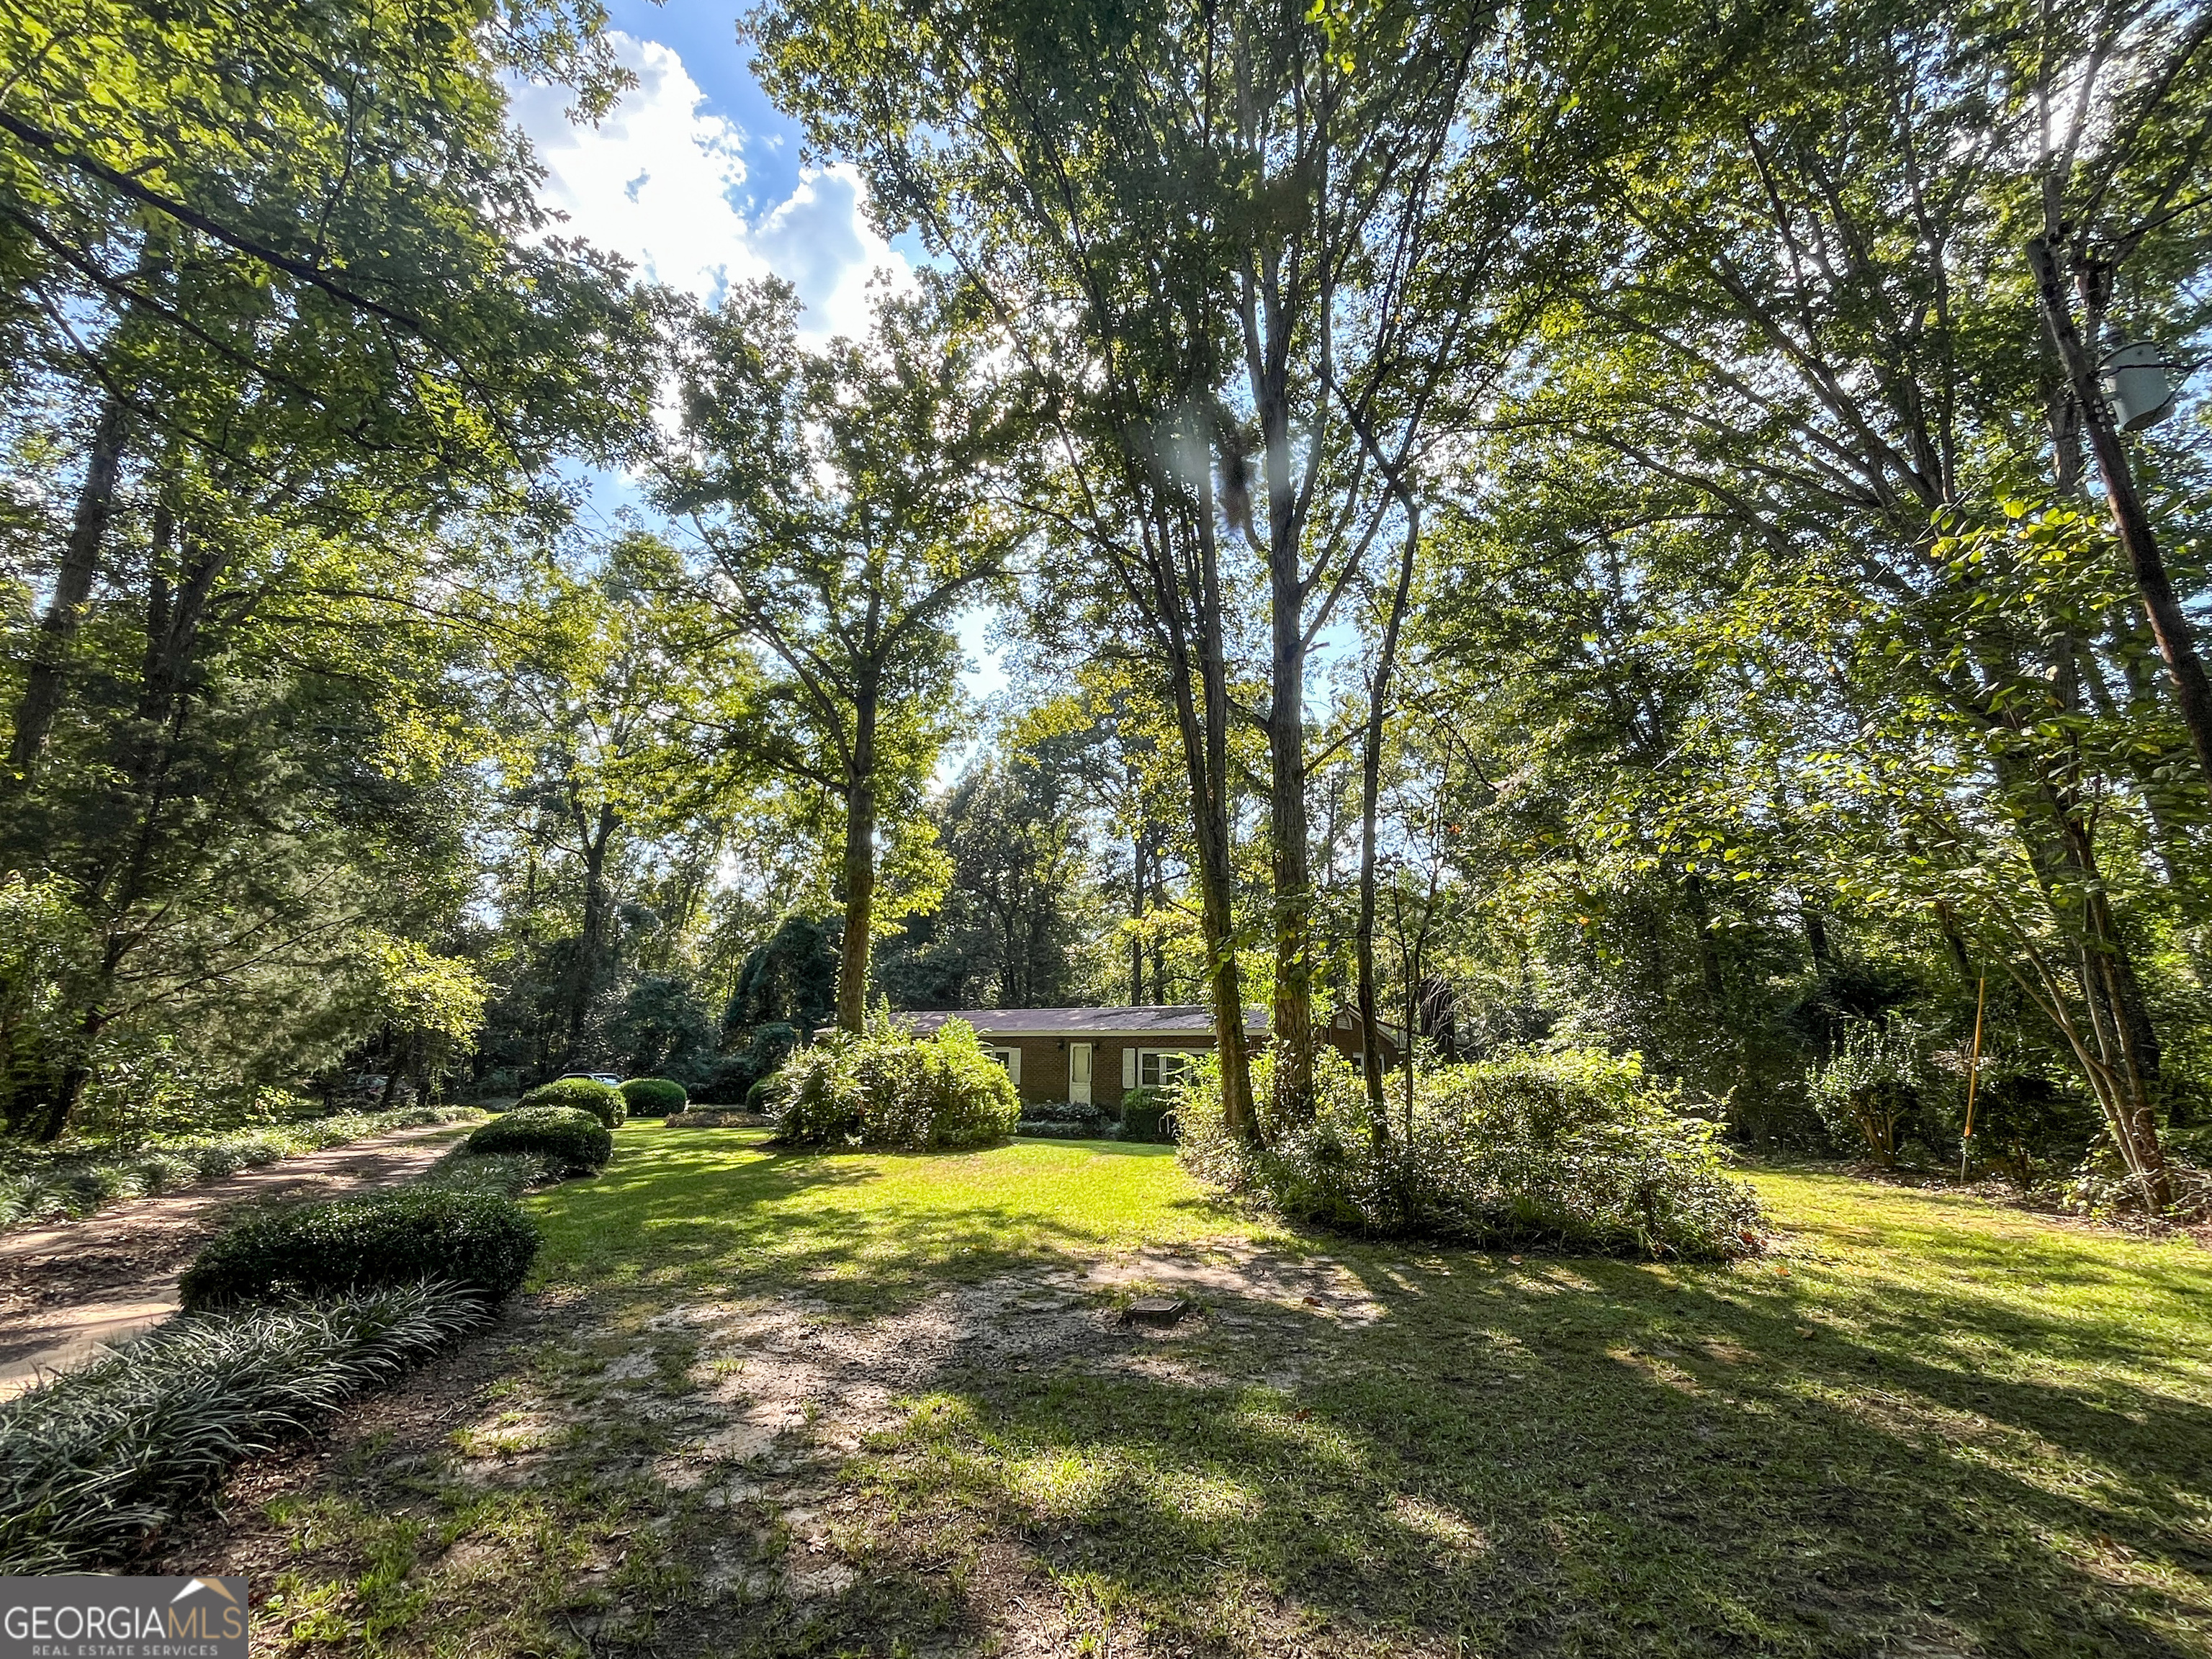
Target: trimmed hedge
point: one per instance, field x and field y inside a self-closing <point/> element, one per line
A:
<point x="654" y="1097"/>
<point x="480" y="1242"/>
<point x="1148" y="1115"/>
<point x="576" y="1142"/>
<point x="96" y="1458"/>
<point x="602" y="1100"/>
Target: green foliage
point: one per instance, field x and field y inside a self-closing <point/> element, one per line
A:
<point x="603" y="1101"/>
<point x="42" y="937"/>
<point x="789" y="981"/>
<point x="654" y="1097"/>
<point x="1871" y="1087"/>
<point x="1006" y="935"/>
<point x="661" y="1028"/>
<point x="886" y="1087"/>
<point x="94" y="1459"/>
<point x="73" y="1178"/>
<point x="501" y="1175"/>
<point x="1148" y="1114"/>
<point x="279" y="322"/>
<point x="572" y="1141"/>
<point x="1574" y="1151"/>
<point x="1064" y="1120"/>
<point x="478" y="1242"/>
<point x="743" y="1075"/>
<point x="847" y="504"/>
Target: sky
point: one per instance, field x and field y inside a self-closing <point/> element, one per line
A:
<point x="695" y="179"/>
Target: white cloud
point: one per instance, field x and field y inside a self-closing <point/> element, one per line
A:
<point x="660" y="182"/>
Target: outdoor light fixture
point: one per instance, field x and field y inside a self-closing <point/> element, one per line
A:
<point x="2137" y="385"/>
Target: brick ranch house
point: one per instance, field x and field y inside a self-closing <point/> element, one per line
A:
<point x="1094" y="1056"/>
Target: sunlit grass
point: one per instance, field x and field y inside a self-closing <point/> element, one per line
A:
<point x="1921" y="1424"/>
<point x="695" y="1206"/>
<point x="1924" y="1420"/>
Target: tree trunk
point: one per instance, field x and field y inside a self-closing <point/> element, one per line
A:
<point x="1370" y="792"/>
<point x="1816" y="938"/>
<point x="2119" y="1050"/>
<point x="1137" y="891"/>
<point x="1289" y="863"/>
<point x="41" y="698"/>
<point x="599" y="834"/>
<point x="2169" y="625"/>
<point x="1709" y="955"/>
<point x="860" y="866"/>
<point x="143" y="753"/>
<point x="1205" y="751"/>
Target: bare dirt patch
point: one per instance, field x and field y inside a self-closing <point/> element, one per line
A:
<point x="717" y="1439"/>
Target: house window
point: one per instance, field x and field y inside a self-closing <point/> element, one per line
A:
<point x="1163" y="1068"/>
<point x="1009" y="1057"/>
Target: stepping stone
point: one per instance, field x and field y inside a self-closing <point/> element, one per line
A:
<point x="1157" y="1311"/>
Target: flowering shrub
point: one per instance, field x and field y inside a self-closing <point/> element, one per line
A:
<point x="887" y="1087"/>
<point x="1572" y="1150"/>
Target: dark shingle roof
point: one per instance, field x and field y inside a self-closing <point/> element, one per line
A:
<point x="1185" y="1022"/>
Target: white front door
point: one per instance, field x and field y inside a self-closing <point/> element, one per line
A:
<point x="1078" y="1073"/>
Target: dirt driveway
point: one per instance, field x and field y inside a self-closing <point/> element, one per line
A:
<point x="68" y="1287"/>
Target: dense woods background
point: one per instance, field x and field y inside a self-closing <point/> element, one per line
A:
<point x="1589" y="526"/>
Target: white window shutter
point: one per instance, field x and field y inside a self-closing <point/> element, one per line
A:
<point x="1128" y="1066"/>
<point x="1014" y="1064"/>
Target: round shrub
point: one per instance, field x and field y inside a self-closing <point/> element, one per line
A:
<point x="478" y="1241"/>
<point x="1572" y="1152"/>
<point x="568" y="1139"/>
<point x="654" y="1097"/>
<point x="602" y="1100"/>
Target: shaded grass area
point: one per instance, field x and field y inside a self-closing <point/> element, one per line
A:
<point x="1924" y="1425"/>
<point x="1930" y="1426"/>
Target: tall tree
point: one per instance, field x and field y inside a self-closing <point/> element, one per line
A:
<point x="1804" y="305"/>
<point x="1217" y="208"/>
<point x="848" y="504"/>
<point x="608" y="720"/>
<point x="299" y="246"/>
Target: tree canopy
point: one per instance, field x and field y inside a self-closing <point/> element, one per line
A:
<point x="1602" y="527"/>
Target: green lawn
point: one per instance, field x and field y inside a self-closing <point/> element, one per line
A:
<point x="688" y="1209"/>
<point x="1923" y="1426"/>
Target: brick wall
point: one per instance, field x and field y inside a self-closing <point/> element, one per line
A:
<point x="1044" y="1060"/>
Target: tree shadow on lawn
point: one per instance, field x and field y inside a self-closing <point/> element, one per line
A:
<point x="1532" y="1466"/>
<point x="1564" y="1455"/>
<point x="730" y="1216"/>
